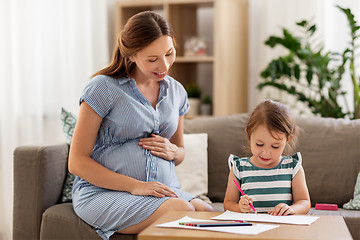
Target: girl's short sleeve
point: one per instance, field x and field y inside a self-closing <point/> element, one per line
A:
<point x="297" y="161"/>
<point x="97" y="94"/>
<point x="234" y="161"/>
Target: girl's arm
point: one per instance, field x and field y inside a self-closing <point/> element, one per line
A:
<point x="172" y="150"/>
<point x="82" y="165"/>
<point x="300" y="195"/>
<point x="232" y="194"/>
<point x="232" y="200"/>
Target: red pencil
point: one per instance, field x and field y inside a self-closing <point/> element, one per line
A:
<point x="242" y="192"/>
<point x="208" y="222"/>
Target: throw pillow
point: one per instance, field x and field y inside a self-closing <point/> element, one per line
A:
<point x="354" y="204"/>
<point x="193" y="172"/>
<point x="68" y="121"/>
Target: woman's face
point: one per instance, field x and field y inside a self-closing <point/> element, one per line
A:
<point x="154" y="61"/>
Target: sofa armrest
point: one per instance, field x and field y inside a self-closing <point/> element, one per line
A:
<point x="39" y="175"/>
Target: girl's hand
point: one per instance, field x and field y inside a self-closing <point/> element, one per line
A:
<point x="159" y="146"/>
<point x="244" y="204"/>
<point x="155" y="189"/>
<point x="281" y="209"/>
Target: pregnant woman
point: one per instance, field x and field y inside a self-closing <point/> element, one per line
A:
<point x="129" y="134"/>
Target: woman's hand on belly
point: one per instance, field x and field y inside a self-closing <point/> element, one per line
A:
<point x="155" y="189"/>
<point x="160" y="147"/>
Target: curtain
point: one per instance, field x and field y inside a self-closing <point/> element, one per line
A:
<point x="267" y="17"/>
<point x="48" y="51"/>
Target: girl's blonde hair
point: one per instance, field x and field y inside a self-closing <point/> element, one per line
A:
<point x="276" y="117"/>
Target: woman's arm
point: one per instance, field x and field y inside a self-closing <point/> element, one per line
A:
<point x="172" y="150"/>
<point x="82" y="165"/>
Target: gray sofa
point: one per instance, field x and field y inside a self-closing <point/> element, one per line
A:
<point x="331" y="160"/>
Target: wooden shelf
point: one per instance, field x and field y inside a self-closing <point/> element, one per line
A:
<point x="195" y="59"/>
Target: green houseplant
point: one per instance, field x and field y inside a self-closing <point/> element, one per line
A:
<point x="193" y="90"/>
<point x="314" y="76"/>
<point x="205" y="108"/>
<point x="194" y="94"/>
<point x="206" y="99"/>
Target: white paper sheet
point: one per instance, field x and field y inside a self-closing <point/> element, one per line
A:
<point x="250" y="230"/>
<point x="290" y="219"/>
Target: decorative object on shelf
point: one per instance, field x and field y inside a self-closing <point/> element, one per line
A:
<point x="205" y="108"/>
<point x="314" y="76"/>
<point x="195" y="46"/>
<point x="194" y="94"/>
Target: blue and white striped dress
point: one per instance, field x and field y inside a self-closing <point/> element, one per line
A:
<point x="266" y="186"/>
<point x="127" y="117"/>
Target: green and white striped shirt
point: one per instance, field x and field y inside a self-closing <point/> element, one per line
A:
<point x="266" y="186"/>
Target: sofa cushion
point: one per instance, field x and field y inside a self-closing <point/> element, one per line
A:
<point x="192" y="172"/>
<point x="61" y="222"/>
<point x="354" y="204"/>
<point x="68" y="122"/>
<point x="225" y="136"/>
<point x="218" y="206"/>
<point x="39" y="172"/>
<point x="331" y="157"/>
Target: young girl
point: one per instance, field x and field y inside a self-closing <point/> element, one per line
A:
<point x="273" y="183"/>
<point x="129" y="134"/>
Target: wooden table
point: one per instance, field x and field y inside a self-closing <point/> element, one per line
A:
<point x="326" y="227"/>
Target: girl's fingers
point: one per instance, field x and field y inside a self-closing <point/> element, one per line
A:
<point x="286" y="212"/>
<point x="244" y="204"/>
<point x="281" y="209"/>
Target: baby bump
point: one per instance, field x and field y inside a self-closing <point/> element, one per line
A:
<point x="132" y="160"/>
<point x="164" y="172"/>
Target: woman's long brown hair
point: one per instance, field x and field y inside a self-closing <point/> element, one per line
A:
<point x="139" y="31"/>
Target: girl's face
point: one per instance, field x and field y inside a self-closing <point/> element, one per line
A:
<point x="266" y="150"/>
<point x="154" y="61"/>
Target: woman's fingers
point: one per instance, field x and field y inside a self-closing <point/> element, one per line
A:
<point x="158" y="189"/>
<point x="159" y="146"/>
<point x="165" y="190"/>
<point x="152" y="144"/>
